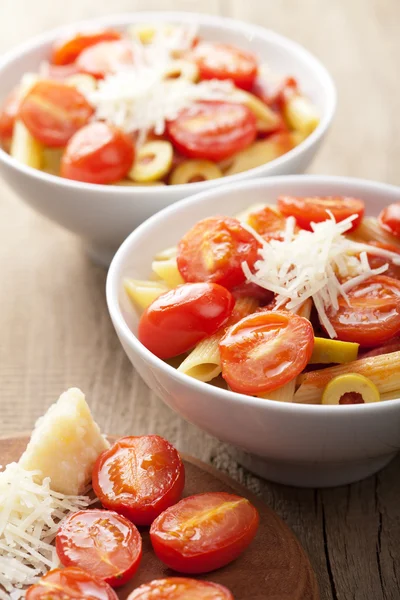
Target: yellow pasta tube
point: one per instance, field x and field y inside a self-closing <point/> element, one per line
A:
<point x="25" y="148"/>
<point x="143" y="293"/>
<point x="168" y="271"/>
<point x="382" y="370"/>
<point x="260" y="152"/>
<point x="167" y="253"/>
<point x="51" y="161"/>
<point x="369" y="230"/>
<point x="301" y="114"/>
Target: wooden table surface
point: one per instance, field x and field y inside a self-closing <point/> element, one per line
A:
<point x="54" y="327"/>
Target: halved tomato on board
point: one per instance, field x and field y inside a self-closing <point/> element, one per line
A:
<point x="223" y="61"/>
<point x="105" y="58"/>
<point x="214" y="250"/>
<point x="373" y="315"/>
<point x="389" y="219"/>
<point x="376" y="261"/>
<point x="180" y="318"/>
<point x="53" y="111"/>
<point x="265" y="350"/>
<point x="204" y="532"/>
<point x="67" y="50"/>
<point x="98" y="153"/>
<point x="314" y="209"/>
<point x="213" y="130"/>
<point x="8" y="114"/>
<point x="139" y="477"/>
<point x="102" y="542"/>
<point x="180" y="588"/>
<point x="71" y="583"/>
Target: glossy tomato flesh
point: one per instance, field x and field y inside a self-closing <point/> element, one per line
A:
<point x="180" y="318"/>
<point x="98" y="153"/>
<point x="223" y="61"/>
<point x="66" y="51"/>
<point x="139" y="477"/>
<point x="204" y="532"/>
<point x="71" y="583"/>
<point x="213" y="130"/>
<point x="266" y="350"/>
<point x="389" y="219"/>
<point x="373" y="316"/>
<point x="53" y="111"/>
<point x="101" y="542"/>
<point x="180" y="588"/>
<point x="315" y="209"/>
<point x="105" y="58"/>
<point x="377" y="261"/>
<point x="269" y="223"/>
<point x="8" y="114"/>
<point x="214" y="250"/>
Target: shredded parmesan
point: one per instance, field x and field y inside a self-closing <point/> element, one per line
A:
<point x="30" y="514"/>
<point x="311" y="265"/>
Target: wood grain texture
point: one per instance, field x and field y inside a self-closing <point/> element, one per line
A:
<point x="54" y="327"/>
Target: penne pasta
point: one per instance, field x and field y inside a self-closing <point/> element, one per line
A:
<point x="167" y="270"/>
<point x="382" y="370"/>
<point x="300" y="114"/>
<point x="369" y="230"/>
<point x="261" y="152"/>
<point x="25" y="148"/>
<point x="143" y="293"/>
<point x="167" y="253"/>
<point x="52" y="160"/>
<point x="267" y="119"/>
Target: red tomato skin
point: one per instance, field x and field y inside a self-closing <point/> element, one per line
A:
<point x="377" y="261"/>
<point x="126" y="503"/>
<point x="389" y="219"/>
<point x="180" y="318"/>
<point x="206" y="55"/>
<point x="53" y="111"/>
<point x="214" y="249"/>
<point x="269" y="223"/>
<point x="71" y="583"/>
<point x="192" y="560"/>
<point x="105" y="58"/>
<point x="306" y="210"/>
<point x="8" y="114"/>
<point x="67" y="51"/>
<point x="127" y="538"/>
<point x="106" y="159"/>
<point x="172" y="588"/>
<point x="213" y="144"/>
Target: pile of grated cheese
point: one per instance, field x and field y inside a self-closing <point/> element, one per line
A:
<point x="312" y="264"/>
<point x="30" y="514"/>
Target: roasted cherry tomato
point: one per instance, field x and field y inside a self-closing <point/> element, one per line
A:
<point x="204" y="532"/>
<point x="71" y="583"/>
<point x="269" y="223"/>
<point x="213" y="130"/>
<point x="8" y="114"/>
<point x="274" y="92"/>
<point x="373" y="316"/>
<point x="105" y="58"/>
<point x="315" y="209"/>
<point x="214" y="250"/>
<point x="66" y="51"/>
<point x="389" y="219"/>
<point x="180" y="318"/>
<point x="139" y="477"/>
<point x="377" y="261"/>
<point x="53" y="111"/>
<point x="102" y="542"/>
<point x="180" y="588"/>
<point x="223" y="61"/>
<point x="265" y="350"/>
<point x="98" y="153"/>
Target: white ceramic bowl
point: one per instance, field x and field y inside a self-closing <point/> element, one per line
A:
<point x="302" y="445"/>
<point x="104" y="215"/>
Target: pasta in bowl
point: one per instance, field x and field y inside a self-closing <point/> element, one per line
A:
<point x="271" y="403"/>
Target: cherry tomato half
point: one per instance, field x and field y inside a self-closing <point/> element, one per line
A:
<point x="265" y="350"/>
<point x="139" y="477"/>
<point x="66" y="51"/>
<point x="105" y="58"/>
<point x="389" y="219"/>
<point x="180" y="588"/>
<point x="213" y="130"/>
<point x="204" y="532"/>
<point x="223" y="61"/>
<point x="53" y="111"/>
<point x="98" y="153"/>
<point x="180" y="318"/>
<point x="373" y="316"/>
<point x="314" y="209"/>
<point x="70" y="584"/>
<point x="377" y="261"/>
<point x="102" y="542"/>
<point x="269" y="223"/>
<point x="8" y="114"/>
<point x="214" y="249"/>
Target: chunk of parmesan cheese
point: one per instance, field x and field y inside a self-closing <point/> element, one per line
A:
<point x="65" y="444"/>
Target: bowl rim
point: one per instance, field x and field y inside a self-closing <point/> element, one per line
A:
<point x="114" y="281"/>
<point x="248" y="29"/>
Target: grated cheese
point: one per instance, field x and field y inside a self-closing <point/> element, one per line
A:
<point x="307" y="265"/>
<point x="30" y="514"/>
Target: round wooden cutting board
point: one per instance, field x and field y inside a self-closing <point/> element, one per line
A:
<point x="274" y="567"/>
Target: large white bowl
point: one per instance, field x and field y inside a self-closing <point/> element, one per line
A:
<point x="104" y="215"/>
<point x="302" y="445"/>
